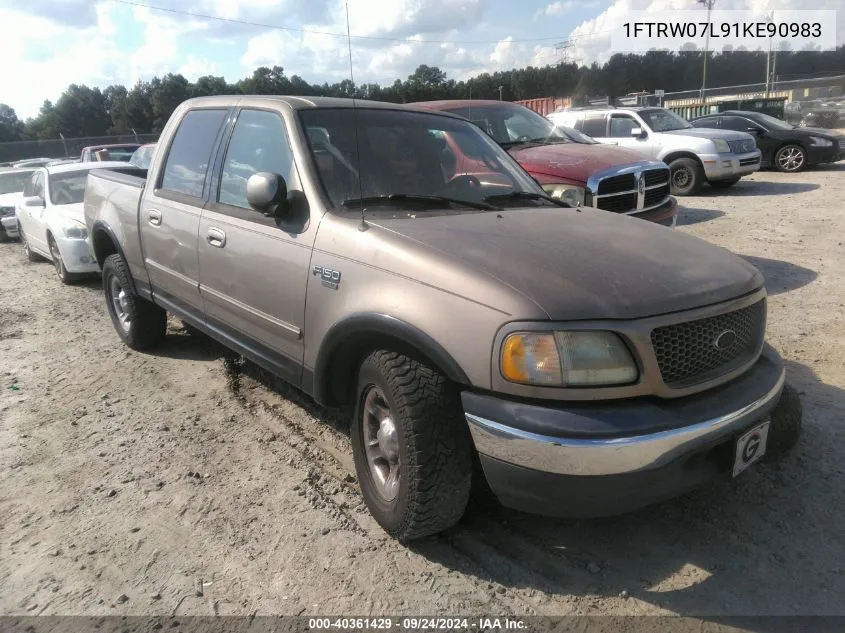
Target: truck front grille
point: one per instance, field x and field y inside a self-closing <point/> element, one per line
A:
<point x="842" y="144"/>
<point x="742" y="146"/>
<point x="697" y="351"/>
<point x="634" y="191"/>
<point x="744" y="162"/>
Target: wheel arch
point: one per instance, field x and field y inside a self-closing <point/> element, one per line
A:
<point x="682" y="154"/>
<point x="105" y="243"/>
<point x="350" y="340"/>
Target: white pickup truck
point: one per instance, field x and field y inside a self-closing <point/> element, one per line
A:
<point x="694" y="155"/>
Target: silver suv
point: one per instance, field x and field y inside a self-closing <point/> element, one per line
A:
<point x="694" y="155"/>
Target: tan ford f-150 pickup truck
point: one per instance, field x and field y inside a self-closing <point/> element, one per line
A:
<point x="581" y="362"/>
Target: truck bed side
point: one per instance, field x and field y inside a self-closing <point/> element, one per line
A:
<point x="111" y="211"/>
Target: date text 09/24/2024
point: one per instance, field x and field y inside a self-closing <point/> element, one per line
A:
<point x="417" y="623"/>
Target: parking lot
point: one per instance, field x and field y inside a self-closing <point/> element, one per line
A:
<point x="185" y="482"/>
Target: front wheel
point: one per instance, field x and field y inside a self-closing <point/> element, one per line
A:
<point x="61" y="270"/>
<point x="687" y="176"/>
<point x="140" y="323"/>
<point x="790" y="158"/>
<point x="724" y="184"/>
<point x="786" y="424"/>
<point x="411" y="446"/>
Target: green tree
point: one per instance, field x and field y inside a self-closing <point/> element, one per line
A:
<point x="10" y="126"/>
<point x="209" y="86"/>
<point x="167" y="93"/>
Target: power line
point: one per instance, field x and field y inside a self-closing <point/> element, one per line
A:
<point x="205" y="16"/>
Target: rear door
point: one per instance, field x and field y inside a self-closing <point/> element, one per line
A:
<point x="254" y="268"/>
<point x="31" y="219"/>
<point x="170" y="211"/>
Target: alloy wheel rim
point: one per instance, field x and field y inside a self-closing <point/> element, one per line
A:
<point x="381" y="444"/>
<point x="791" y="159"/>
<point x="57" y="257"/>
<point x="119" y="303"/>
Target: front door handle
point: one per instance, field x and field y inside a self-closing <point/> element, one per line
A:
<point x="154" y="217"/>
<point x="216" y="237"/>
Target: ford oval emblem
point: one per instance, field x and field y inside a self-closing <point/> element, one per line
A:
<point x="725" y="340"/>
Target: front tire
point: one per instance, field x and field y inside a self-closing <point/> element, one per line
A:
<point x="687" y="176"/>
<point x="411" y="446"/>
<point x="724" y="184"/>
<point x="61" y="270"/>
<point x="790" y="159"/>
<point x="140" y="323"/>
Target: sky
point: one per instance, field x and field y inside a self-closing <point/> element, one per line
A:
<point x="49" y="44"/>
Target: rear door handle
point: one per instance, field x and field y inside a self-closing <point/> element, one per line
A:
<point x="154" y="217"/>
<point x="216" y="237"/>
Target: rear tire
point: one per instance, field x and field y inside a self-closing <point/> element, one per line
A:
<point x="687" y="176"/>
<point x="30" y="255"/>
<point x="140" y="323"/>
<point x="786" y="424"/>
<point x="724" y="184"/>
<point x="412" y="449"/>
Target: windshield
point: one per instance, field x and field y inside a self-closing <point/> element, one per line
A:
<point x="663" y="120"/>
<point x="510" y="124"/>
<point x="14" y="181"/>
<point x="401" y="153"/>
<point x="576" y="136"/>
<point x="772" y="122"/>
<point x="143" y="156"/>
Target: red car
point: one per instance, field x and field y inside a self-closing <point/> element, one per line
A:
<point x="119" y="151"/>
<point x="570" y="165"/>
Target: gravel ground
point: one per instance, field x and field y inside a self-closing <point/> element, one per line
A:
<point x="185" y="482"/>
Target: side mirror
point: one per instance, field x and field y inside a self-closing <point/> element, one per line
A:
<point x="33" y="201"/>
<point x="637" y="132"/>
<point x="267" y="193"/>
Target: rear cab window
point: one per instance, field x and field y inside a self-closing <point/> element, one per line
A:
<point x="594" y="125"/>
<point x="189" y="155"/>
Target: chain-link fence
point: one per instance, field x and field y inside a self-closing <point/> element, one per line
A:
<point x="64" y="148"/>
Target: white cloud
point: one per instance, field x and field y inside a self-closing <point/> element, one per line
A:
<point x="195" y="67"/>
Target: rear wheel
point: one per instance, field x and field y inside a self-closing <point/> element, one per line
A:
<point x="140" y="323"/>
<point x="790" y="158"/>
<point x="724" y="184"/>
<point x="412" y="449"/>
<point x="687" y="176"/>
<point x="30" y="255"/>
<point x="58" y="262"/>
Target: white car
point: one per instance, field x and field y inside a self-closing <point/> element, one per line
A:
<point x="51" y="219"/>
<point x="12" y="182"/>
<point x="694" y="155"/>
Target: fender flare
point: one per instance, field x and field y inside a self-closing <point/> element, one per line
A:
<point x="375" y="324"/>
<point x="101" y="227"/>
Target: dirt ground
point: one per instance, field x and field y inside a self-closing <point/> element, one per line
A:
<point x="184" y="482"/>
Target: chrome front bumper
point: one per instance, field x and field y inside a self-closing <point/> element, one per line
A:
<point x="627" y="454"/>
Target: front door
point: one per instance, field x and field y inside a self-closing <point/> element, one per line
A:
<point x="619" y="132"/>
<point x="254" y="268"/>
<point x="170" y="212"/>
<point x="31" y="219"/>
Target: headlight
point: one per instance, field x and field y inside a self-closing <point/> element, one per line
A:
<point x="74" y="230"/>
<point x="6" y="211"/>
<point x="818" y="141"/>
<point x="570" y="194"/>
<point x="722" y="146"/>
<point x="577" y="358"/>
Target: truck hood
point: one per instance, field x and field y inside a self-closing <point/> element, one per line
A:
<point x="711" y="133"/>
<point x="572" y="161"/>
<point x="587" y="264"/>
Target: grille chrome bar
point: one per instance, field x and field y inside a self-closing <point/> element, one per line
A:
<point x="625" y="189"/>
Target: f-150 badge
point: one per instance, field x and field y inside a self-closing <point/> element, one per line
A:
<point x="330" y="278"/>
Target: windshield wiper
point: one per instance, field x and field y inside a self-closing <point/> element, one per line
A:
<point x="411" y="197"/>
<point x="526" y="195"/>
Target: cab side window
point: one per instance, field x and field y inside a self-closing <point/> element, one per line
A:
<point x="594" y="125"/>
<point x="737" y="123"/>
<point x="621" y="126"/>
<point x="259" y="143"/>
<point x="190" y="152"/>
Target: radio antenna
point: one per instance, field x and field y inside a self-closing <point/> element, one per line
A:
<point x="363" y="225"/>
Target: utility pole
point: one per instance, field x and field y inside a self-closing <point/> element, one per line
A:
<point x="709" y="4"/>
<point x="562" y="48"/>
<point x="768" y="62"/>
<point x="500" y="92"/>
